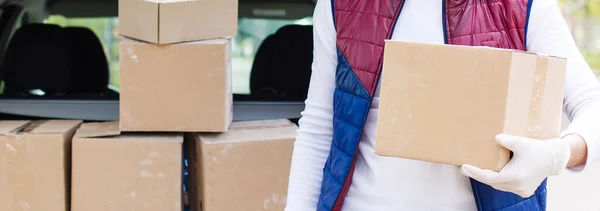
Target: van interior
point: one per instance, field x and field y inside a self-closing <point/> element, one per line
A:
<point x="59" y="59"/>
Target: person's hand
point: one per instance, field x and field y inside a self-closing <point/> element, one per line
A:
<point x="533" y="160"/>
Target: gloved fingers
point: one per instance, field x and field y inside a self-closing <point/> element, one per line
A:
<point x="509" y="141"/>
<point x="525" y="194"/>
<point x="502" y="181"/>
<point x="516" y="187"/>
<point x="520" y="192"/>
<point x="483" y="175"/>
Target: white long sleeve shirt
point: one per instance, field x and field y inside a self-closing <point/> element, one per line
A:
<point x="384" y="183"/>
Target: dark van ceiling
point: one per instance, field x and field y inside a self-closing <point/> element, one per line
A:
<point x="38" y="10"/>
<point x="287" y="9"/>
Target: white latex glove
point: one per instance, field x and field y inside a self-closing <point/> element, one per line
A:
<point x="533" y="160"/>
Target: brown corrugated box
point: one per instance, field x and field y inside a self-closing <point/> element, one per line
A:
<point x="173" y="21"/>
<point x="35" y="164"/>
<point x="446" y="103"/>
<point x="130" y="171"/>
<point x="182" y="87"/>
<point x="246" y="168"/>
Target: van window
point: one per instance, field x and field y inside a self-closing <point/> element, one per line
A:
<point x="251" y="33"/>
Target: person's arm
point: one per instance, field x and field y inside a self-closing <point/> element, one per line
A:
<point x="579" y="151"/>
<point x="533" y="159"/>
<point x="315" y="132"/>
<point x="549" y="34"/>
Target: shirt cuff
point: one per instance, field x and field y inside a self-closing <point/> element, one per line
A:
<point x="591" y="138"/>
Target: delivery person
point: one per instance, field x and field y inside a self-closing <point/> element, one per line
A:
<point x="334" y="166"/>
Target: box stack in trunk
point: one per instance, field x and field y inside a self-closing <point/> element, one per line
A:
<point x="175" y="146"/>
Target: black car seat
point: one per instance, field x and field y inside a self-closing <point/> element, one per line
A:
<point x="91" y="69"/>
<point x="63" y="62"/>
<point x="282" y="65"/>
<point x="260" y="78"/>
<point x="37" y="57"/>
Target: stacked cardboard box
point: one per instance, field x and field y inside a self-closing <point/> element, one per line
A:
<point x="125" y="171"/>
<point x="178" y="88"/>
<point x="246" y="168"/>
<point x="35" y="164"/>
<point x="176" y="21"/>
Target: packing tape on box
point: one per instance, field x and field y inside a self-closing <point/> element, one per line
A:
<point x="19" y="173"/>
<point x="534" y="120"/>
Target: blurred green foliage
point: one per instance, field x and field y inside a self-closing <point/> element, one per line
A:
<point x="583" y="7"/>
<point x="584" y="15"/>
<point x="593" y="59"/>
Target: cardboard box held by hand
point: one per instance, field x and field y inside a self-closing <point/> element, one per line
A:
<point x="246" y="168"/>
<point x="129" y="171"/>
<point x="35" y="164"/>
<point x="174" y="21"/>
<point x="446" y="103"/>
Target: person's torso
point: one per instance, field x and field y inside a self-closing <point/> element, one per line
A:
<point x="384" y="183"/>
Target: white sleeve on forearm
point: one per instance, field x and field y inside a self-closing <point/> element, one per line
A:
<point x="548" y="33"/>
<point x="313" y="140"/>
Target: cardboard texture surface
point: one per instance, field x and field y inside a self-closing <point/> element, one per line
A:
<point x="98" y="129"/>
<point x="181" y="87"/>
<point x="175" y="21"/>
<point x="246" y="168"/>
<point x="125" y="172"/>
<point x="445" y="104"/>
<point x="35" y="164"/>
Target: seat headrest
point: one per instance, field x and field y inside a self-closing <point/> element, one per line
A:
<point x="37" y="58"/>
<point x="90" y="65"/>
<point x="297" y="32"/>
<point x="282" y="65"/>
